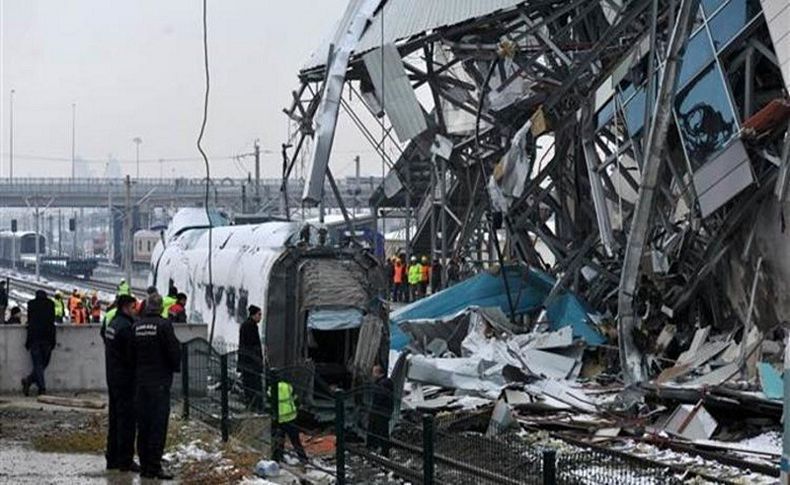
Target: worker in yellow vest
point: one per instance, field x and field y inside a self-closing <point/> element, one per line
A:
<point x="169" y="300"/>
<point x="60" y="307"/>
<point x="285" y="425"/>
<point x="415" y="277"/>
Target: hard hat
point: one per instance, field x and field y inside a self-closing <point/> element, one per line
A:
<point x="425" y="259"/>
<point x="58" y="294"/>
<point x="414" y="259"/>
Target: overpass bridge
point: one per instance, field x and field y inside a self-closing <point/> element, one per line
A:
<point x="228" y="193"/>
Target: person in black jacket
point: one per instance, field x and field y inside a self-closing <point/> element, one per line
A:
<point x="40" y="339"/>
<point x="250" y="361"/>
<point x="381" y="410"/>
<point x="16" y="316"/>
<point x="3" y="301"/>
<point x="157" y="356"/>
<point x="120" y="362"/>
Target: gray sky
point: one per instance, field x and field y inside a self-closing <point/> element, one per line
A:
<point x="135" y="68"/>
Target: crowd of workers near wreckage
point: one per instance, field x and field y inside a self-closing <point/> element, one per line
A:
<point x="419" y="276"/>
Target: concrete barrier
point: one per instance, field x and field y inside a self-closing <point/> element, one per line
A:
<point x="77" y="362"/>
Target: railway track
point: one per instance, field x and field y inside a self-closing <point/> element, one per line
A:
<point x="65" y="287"/>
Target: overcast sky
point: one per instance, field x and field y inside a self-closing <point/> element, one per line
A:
<point x="135" y="69"/>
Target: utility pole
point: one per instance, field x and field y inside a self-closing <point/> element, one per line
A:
<point x="73" y="139"/>
<point x="11" y="142"/>
<point x="257" y="175"/>
<point x="60" y="232"/>
<point x="127" y="231"/>
<point x="137" y="141"/>
<point x="110" y="224"/>
<point x="74" y="236"/>
<point x="38" y="242"/>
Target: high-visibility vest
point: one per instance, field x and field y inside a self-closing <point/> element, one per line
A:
<point x="167" y="302"/>
<point x="73" y="300"/>
<point x="109" y="316"/>
<point x="415" y="274"/>
<point x="397" y="276"/>
<point x="124" y="289"/>
<point x="426" y="273"/>
<point x="60" y="309"/>
<point x="286" y="407"/>
<point x="79" y="315"/>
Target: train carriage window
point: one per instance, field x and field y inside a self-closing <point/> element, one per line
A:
<point x="149" y="245"/>
<point x="241" y="310"/>
<point x="230" y="301"/>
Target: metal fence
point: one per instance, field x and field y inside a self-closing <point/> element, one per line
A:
<point x="457" y="448"/>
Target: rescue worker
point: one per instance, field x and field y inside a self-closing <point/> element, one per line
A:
<point x="157" y="356"/>
<point x="95" y="308"/>
<point x="151" y="290"/>
<point x="124" y="288"/>
<point x="285" y="426"/>
<point x="415" y="276"/>
<point x="169" y="300"/>
<point x="250" y="359"/>
<point x="40" y="339"/>
<point x="397" y="278"/>
<point x="73" y="299"/>
<point x="109" y="315"/>
<point x="178" y="312"/>
<point x="425" y="275"/>
<point x="120" y="363"/>
<point x="79" y="314"/>
<point x="60" y="306"/>
<point x="381" y="408"/>
<point x="389" y="269"/>
<point x="436" y="276"/>
<point x="16" y="316"/>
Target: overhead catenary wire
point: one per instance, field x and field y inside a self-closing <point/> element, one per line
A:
<point x="208" y="173"/>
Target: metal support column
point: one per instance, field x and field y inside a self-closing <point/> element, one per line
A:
<point x="443" y="220"/>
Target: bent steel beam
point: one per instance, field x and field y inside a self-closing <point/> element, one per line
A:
<point x="630" y="357"/>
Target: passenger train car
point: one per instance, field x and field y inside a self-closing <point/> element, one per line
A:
<point x="144" y="243"/>
<point x="20" y="246"/>
<point x="321" y="305"/>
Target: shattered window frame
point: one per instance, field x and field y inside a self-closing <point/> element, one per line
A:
<point x="723" y="16"/>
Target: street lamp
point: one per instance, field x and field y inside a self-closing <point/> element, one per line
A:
<point x="73" y="139"/>
<point x="137" y="141"/>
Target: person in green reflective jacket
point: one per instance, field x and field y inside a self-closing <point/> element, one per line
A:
<point x="285" y="425"/>
<point x="168" y="301"/>
<point x="124" y="288"/>
<point x="60" y="306"/>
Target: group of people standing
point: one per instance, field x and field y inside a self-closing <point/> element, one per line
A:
<point x="411" y="281"/>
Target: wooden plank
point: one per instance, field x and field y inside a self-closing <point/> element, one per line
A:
<point x="71" y="402"/>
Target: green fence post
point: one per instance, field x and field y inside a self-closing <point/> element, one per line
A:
<point x="224" y="387"/>
<point x="185" y="381"/>
<point x="549" y="467"/>
<point x="274" y="408"/>
<point x="340" y="437"/>
<point x="427" y="449"/>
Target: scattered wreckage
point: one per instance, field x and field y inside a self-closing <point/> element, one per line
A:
<point x="558" y="371"/>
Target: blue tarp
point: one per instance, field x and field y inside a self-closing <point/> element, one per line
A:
<point x="528" y="291"/>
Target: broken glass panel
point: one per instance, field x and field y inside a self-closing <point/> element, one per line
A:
<point x="604" y="115"/>
<point x="635" y="113"/>
<point x="698" y="54"/>
<point x="705" y="117"/>
<point x="732" y="19"/>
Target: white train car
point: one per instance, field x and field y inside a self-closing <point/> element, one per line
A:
<point x="144" y="243"/>
<point x="20" y="246"/>
<point x="321" y="305"/>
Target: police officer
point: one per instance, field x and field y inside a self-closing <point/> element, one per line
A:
<point x="157" y="357"/>
<point x="120" y="362"/>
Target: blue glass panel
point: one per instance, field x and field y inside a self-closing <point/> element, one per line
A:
<point x="731" y="19"/>
<point x="710" y="6"/>
<point x="698" y="55"/>
<point x="705" y="118"/>
<point x="635" y="113"/>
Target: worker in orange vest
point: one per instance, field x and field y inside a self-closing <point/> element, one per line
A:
<point x="397" y="279"/>
<point x="79" y="314"/>
<point x="95" y="308"/>
<point x="425" y="276"/>
<point x="73" y="299"/>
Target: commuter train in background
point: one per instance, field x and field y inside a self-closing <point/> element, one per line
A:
<point x="144" y="243"/>
<point x="20" y="246"/>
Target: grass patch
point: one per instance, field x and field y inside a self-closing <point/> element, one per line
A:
<point x="88" y="438"/>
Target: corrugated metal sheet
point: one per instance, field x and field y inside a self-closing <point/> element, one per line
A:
<point x="777" y="14"/>
<point x="395" y="92"/>
<point x="404" y="18"/>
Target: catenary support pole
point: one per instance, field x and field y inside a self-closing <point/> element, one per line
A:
<point x="340" y="437"/>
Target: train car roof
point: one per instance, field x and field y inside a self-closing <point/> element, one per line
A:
<point x="18" y="233"/>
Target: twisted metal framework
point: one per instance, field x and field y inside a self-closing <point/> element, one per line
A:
<point x="531" y="98"/>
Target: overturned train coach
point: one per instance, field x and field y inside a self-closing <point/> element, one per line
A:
<point x="323" y="322"/>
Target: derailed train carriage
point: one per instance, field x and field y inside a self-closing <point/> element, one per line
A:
<point x="323" y="320"/>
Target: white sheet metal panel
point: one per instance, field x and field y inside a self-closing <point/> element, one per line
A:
<point x="394" y="91"/>
<point x="777" y="15"/>
<point x="722" y="178"/>
<point x="325" y="119"/>
<point x="405" y="18"/>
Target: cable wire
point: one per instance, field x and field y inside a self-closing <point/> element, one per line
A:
<point x="208" y="174"/>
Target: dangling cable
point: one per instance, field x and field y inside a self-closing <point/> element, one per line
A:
<point x="208" y="176"/>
